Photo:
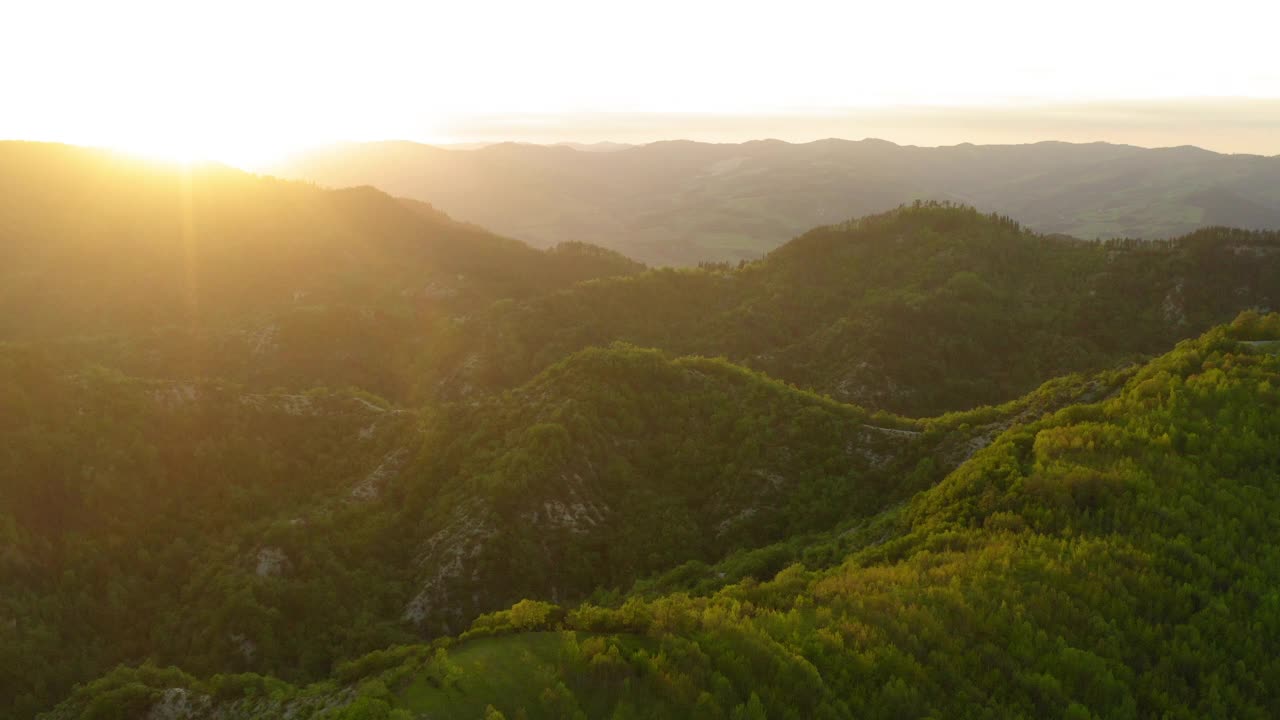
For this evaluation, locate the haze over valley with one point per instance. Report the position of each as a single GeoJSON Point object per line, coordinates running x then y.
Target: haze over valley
{"type": "Point", "coordinates": [680, 202]}
{"type": "Point", "coordinates": [502, 361]}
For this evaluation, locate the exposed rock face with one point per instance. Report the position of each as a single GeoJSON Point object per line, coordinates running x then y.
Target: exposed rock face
{"type": "Point", "coordinates": [577, 511]}
{"type": "Point", "coordinates": [264, 339]}
{"type": "Point", "coordinates": [367, 405]}
{"type": "Point", "coordinates": [248, 648]}
{"type": "Point", "coordinates": [445, 558]}
{"type": "Point", "coordinates": [1255, 251]}
{"type": "Point", "coordinates": [288, 404]}
{"type": "Point", "coordinates": [728, 524]}
{"type": "Point", "coordinates": [869, 386]}
{"type": "Point", "coordinates": [272, 561]}
{"type": "Point", "coordinates": [173, 395]}
{"type": "Point", "coordinates": [1174, 305]}
{"type": "Point", "coordinates": [449, 589]}
{"type": "Point", "coordinates": [183, 704]}
{"type": "Point", "coordinates": [371, 486]}
{"type": "Point", "coordinates": [180, 704]}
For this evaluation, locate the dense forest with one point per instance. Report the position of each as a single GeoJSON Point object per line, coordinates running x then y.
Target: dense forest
{"type": "Point", "coordinates": [1101, 561]}
{"type": "Point", "coordinates": [270, 450]}
{"type": "Point", "coordinates": [923, 310]}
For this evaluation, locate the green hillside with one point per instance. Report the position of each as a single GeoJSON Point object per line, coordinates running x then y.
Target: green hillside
{"type": "Point", "coordinates": [168, 340]}
{"type": "Point", "coordinates": [269, 450]}
{"type": "Point", "coordinates": [918, 311]}
{"type": "Point", "coordinates": [137, 516]}
{"type": "Point", "coordinates": [1108, 560]}
{"type": "Point", "coordinates": [620, 463]}
{"type": "Point", "coordinates": [233, 531]}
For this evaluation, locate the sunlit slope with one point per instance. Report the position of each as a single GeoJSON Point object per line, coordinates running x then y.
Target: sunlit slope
{"type": "Point", "coordinates": [98, 241]}
{"type": "Point", "coordinates": [619, 463]}
{"type": "Point", "coordinates": [918, 311]}
{"type": "Point", "coordinates": [176, 488]}
{"type": "Point", "coordinates": [172, 271]}
{"type": "Point", "coordinates": [1114, 560]}
{"type": "Point", "coordinates": [236, 531]}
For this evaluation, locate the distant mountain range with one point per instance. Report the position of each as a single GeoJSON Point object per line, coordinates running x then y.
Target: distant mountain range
{"type": "Point", "coordinates": [682, 202]}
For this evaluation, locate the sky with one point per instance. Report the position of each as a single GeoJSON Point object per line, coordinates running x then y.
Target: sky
{"type": "Point", "coordinates": [244, 82]}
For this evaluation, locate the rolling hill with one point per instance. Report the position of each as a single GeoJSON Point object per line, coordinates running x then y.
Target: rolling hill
{"type": "Point", "coordinates": [680, 202]}
{"type": "Point", "coordinates": [1110, 559]}
{"type": "Point", "coordinates": [166, 334]}
{"type": "Point", "coordinates": [209, 271]}
{"type": "Point", "coordinates": [917, 311]}
{"type": "Point", "coordinates": [223, 530]}
{"type": "Point", "coordinates": [271, 450]}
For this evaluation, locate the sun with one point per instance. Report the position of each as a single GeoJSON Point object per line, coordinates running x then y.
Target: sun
{"type": "Point", "coordinates": [196, 125]}
{"type": "Point", "coordinates": [188, 151]}
{"type": "Point", "coordinates": [187, 144]}
{"type": "Point", "coordinates": [167, 150]}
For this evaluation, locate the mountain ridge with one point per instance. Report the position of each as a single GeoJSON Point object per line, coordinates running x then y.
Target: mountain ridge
{"type": "Point", "coordinates": [681, 202]}
{"type": "Point", "coordinates": [393, 465]}
{"type": "Point", "coordinates": [827, 310]}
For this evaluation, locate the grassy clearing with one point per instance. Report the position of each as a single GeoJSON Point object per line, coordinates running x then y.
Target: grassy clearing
{"type": "Point", "coordinates": [518, 674]}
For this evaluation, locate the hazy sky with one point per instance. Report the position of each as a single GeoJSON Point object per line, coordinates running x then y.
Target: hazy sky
{"type": "Point", "coordinates": [242, 80]}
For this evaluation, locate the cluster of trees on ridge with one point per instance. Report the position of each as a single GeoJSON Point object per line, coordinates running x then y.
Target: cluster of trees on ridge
{"type": "Point", "coordinates": [926, 309]}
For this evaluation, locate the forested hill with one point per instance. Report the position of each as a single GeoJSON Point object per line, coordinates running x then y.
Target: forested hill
{"type": "Point", "coordinates": [222, 530]}
{"type": "Point", "coordinates": [683, 202]}
{"type": "Point", "coordinates": [101, 242]}
{"type": "Point", "coordinates": [172, 271]}
{"type": "Point", "coordinates": [920, 310]}
{"type": "Point", "coordinates": [305, 446]}
{"type": "Point", "coordinates": [1114, 559]}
